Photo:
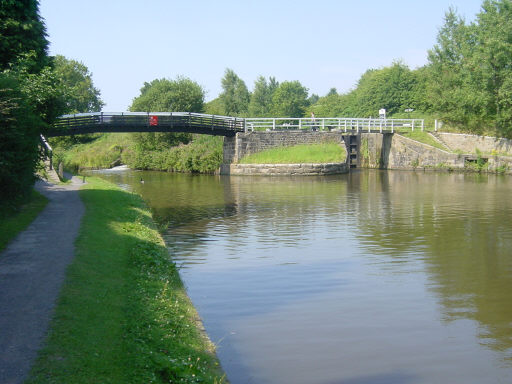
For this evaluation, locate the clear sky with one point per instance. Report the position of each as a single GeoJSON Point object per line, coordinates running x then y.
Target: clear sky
{"type": "Point", "coordinates": [321, 43]}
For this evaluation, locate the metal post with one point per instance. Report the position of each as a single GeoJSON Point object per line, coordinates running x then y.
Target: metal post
{"type": "Point", "coordinates": [323, 124]}
{"type": "Point", "coordinates": [345, 121]}
{"type": "Point", "coordinates": [300, 123]}
{"type": "Point", "coordinates": [369, 124]}
{"type": "Point", "coordinates": [435, 125]}
{"type": "Point", "coordinates": [381, 126]}
{"type": "Point", "coordinates": [357, 125]}
{"type": "Point", "coordinates": [273, 124]}
{"type": "Point", "coordinates": [422, 125]}
{"type": "Point", "coordinates": [412, 125]}
{"type": "Point", "coordinates": [392, 127]}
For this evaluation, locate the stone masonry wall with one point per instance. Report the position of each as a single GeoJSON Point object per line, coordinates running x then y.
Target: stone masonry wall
{"type": "Point", "coordinates": [252, 142]}
{"type": "Point", "coordinates": [468, 143]}
{"type": "Point", "coordinates": [288, 169]}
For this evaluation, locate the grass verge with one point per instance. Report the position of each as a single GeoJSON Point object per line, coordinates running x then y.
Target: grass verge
{"type": "Point", "coordinates": [123, 315]}
{"type": "Point", "coordinates": [297, 154]}
{"type": "Point", "coordinates": [425, 138]}
{"type": "Point", "coordinates": [13, 222]}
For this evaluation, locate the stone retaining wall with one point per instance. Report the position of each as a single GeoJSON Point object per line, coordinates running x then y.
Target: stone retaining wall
{"type": "Point", "coordinates": [244, 144]}
{"type": "Point", "coordinates": [285, 169]}
{"type": "Point", "coordinates": [469, 143]}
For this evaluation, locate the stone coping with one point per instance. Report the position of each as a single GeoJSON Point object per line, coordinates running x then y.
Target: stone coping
{"type": "Point", "coordinates": [305, 169]}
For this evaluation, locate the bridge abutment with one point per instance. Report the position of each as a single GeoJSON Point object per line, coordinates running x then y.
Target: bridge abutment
{"type": "Point", "coordinates": [247, 143]}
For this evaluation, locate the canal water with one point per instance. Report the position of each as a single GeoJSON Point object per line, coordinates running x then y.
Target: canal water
{"type": "Point", "coordinates": [365, 278]}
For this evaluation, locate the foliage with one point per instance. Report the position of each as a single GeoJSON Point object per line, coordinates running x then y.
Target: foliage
{"type": "Point", "coordinates": [471, 77]}
{"type": "Point", "coordinates": [261, 98]}
{"type": "Point", "coordinates": [290, 99]}
{"type": "Point", "coordinates": [22, 31]}
{"type": "Point", "coordinates": [235, 96]}
{"type": "Point", "coordinates": [202, 155]}
{"type": "Point", "coordinates": [123, 315]}
{"type": "Point", "coordinates": [215, 107]}
{"type": "Point", "coordinates": [76, 81]}
{"type": "Point", "coordinates": [19, 138]}
{"type": "Point", "coordinates": [100, 151]}
{"type": "Point", "coordinates": [304, 153]}
{"type": "Point", "coordinates": [163, 95]}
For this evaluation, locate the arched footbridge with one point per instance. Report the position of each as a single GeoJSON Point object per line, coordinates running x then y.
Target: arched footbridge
{"type": "Point", "coordinates": [98, 122]}
{"type": "Point", "coordinates": [102, 122]}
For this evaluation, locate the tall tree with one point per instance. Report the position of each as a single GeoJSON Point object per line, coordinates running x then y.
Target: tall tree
{"type": "Point", "coordinates": [261, 98]}
{"type": "Point", "coordinates": [22, 31]}
{"type": "Point", "coordinates": [76, 81]}
{"type": "Point", "coordinates": [235, 96]}
{"type": "Point", "coordinates": [492, 59]}
{"type": "Point", "coordinates": [471, 76]}
{"type": "Point", "coordinates": [290, 99]}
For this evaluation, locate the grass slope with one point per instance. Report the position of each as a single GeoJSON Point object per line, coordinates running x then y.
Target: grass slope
{"type": "Point", "coordinates": [123, 315]}
{"type": "Point", "coordinates": [425, 138]}
{"type": "Point", "coordinates": [307, 153]}
{"type": "Point", "coordinates": [13, 222]}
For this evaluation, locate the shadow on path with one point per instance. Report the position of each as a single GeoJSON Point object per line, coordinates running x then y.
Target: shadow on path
{"type": "Point", "coordinates": [32, 270]}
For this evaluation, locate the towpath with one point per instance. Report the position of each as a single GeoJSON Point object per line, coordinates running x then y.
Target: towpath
{"type": "Point", "coordinates": [32, 270]}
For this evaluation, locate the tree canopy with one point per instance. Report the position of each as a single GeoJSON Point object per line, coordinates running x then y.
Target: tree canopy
{"type": "Point", "coordinates": [22, 31]}
{"type": "Point", "coordinates": [235, 96]}
{"type": "Point", "coordinates": [164, 95]}
{"type": "Point", "coordinates": [80, 94]}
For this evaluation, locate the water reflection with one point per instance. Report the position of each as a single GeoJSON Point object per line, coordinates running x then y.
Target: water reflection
{"type": "Point", "coordinates": [370, 277]}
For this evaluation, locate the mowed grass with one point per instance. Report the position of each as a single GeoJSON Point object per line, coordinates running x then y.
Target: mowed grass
{"type": "Point", "coordinates": [13, 222]}
{"type": "Point", "coordinates": [123, 315]}
{"type": "Point", "coordinates": [425, 138]}
{"type": "Point", "coordinates": [299, 154]}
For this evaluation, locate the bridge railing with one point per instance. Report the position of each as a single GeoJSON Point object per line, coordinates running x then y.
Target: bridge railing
{"type": "Point", "coordinates": [76, 123]}
{"type": "Point", "coordinates": [341, 123]}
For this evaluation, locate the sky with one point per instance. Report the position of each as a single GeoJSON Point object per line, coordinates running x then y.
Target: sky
{"type": "Point", "coordinates": [322, 43]}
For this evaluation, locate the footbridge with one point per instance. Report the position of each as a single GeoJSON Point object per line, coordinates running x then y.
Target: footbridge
{"type": "Point", "coordinates": [102, 122]}
{"type": "Point", "coordinates": [286, 130]}
{"type": "Point", "coordinates": [98, 122]}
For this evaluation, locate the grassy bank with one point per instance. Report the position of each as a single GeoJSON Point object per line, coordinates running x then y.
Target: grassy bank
{"type": "Point", "coordinates": [13, 221]}
{"type": "Point", "coordinates": [425, 138]}
{"type": "Point", "coordinates": [310, 153]}
{"type": "Point", "coordinates": [203, 154]}
{"type": "Point", "coordinates": [123, 315]}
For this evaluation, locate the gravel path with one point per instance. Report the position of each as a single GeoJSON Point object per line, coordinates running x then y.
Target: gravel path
{"type": "Point", "coordinates": [32, 270]}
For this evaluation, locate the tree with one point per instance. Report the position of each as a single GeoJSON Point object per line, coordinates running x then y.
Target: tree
{"type": "Point", "coordinates": [390, 88]}
{"type": "Point", "coordinates": [492, 60]}
{"type": "Point", "coordinates": [290, 100]}
{"type": "Point", "coordinates": [261, 99]}
{"type": "Point", "coordinates": [22, 31]}
{"type": "Point", "coordinates": [163, 95]}
{"type": "Point", "coordinates": [19, 138]}
{"type": "Point", "coordinates": [235, 96]}
{"type": "Point", "coordinates": [471, 76]}
{"type": "Point", "coordinates": [78, 88]}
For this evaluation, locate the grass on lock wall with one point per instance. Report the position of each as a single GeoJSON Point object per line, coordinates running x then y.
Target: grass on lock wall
{"type": "Point", "coordinates": [304, 153]}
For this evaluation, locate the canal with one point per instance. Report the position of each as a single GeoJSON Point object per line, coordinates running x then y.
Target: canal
{"type": "Point", "coordinates": [370, 277]}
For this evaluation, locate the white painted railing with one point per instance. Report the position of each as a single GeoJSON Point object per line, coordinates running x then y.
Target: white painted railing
{"type": "Point", "coordinates": [333, 123]}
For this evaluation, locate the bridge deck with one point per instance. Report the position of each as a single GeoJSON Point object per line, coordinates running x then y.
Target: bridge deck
{"type": "Point", "coordinates": [146, 122]}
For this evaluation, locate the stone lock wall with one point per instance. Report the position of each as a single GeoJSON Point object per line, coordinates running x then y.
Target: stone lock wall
{"type": "Point", "coordinates": [243, 144]}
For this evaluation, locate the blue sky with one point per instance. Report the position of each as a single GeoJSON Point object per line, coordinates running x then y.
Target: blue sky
{"type": "Point", "coordinates": [322, 43]}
